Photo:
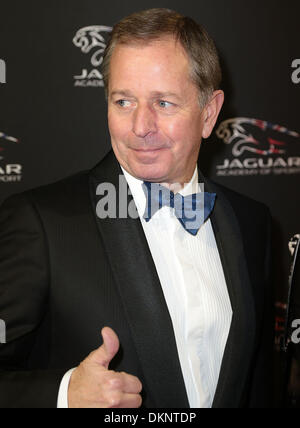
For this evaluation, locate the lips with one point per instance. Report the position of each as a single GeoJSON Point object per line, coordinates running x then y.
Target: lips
{"type": "Point", "coordinates": [148, 156]}
{"type": "Point", "coordinates": [148, 150]}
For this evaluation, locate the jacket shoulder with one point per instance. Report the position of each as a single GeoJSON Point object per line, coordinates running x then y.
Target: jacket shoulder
{"type": "Point", "coordinates": [70, 194]}
{"type": "Point", "coordinates": [243, 206]}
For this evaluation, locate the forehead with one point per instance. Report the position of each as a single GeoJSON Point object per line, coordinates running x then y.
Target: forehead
{"type": "Point", "coordinates": [158, 62]}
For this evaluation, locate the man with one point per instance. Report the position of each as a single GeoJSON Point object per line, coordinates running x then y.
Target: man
{"type": "Point", "coordinates": [186, 313]}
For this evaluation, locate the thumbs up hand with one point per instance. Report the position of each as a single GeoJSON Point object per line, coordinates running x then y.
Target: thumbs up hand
{"type": "Point", "coordinates": [93, 385]}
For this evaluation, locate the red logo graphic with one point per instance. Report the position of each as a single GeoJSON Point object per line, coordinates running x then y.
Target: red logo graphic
{"type": "Point", "coordinates": [237, 131]}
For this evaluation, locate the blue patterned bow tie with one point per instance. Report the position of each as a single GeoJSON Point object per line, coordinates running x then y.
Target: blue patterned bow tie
{"type": "Point", "coordinates": [191, 210]}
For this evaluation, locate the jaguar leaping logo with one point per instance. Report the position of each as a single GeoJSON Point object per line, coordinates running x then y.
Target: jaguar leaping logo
{"type": "Point", "coordinates": [234, 131]}
{"type": "Point", "coordinates": [89, 38]}
{"type": "Point", "coordinates": [6, 138]}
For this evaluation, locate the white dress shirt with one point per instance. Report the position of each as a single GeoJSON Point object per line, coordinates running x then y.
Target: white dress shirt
{"type": "Point", "coordinates": [194, 286]}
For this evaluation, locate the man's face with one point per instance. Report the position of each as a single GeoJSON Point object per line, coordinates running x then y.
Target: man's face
{"type": "Point", "coordinates": [155, 120]}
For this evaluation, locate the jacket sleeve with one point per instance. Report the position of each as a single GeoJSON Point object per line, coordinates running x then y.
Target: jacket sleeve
{"type": "Point", "coordinates": [24, 282]}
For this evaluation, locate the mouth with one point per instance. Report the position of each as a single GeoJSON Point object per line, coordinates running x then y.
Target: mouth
{"type": "Point", "coordinates": [149, 150]}
{"type": "Point", "coordinates": [148, 156]}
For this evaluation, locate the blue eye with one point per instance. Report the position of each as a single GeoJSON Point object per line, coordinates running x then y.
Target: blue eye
{"type": "Point", "coordinates": [123, 103]}
{"type": "Point", "coordinates": [164, 104]}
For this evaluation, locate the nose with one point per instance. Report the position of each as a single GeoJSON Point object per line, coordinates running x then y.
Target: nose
{"type": "Point", "coordinates": [144, 121]}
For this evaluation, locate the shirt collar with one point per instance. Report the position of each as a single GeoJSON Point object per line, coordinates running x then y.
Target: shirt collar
{"type": "Point", "coordinates": [138, 194]}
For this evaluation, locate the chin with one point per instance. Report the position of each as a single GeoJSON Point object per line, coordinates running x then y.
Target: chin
{"type": "Point", "coordinates": [149, 173]}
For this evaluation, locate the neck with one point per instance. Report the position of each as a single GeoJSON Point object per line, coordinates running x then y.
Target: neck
{"type": "Point", "coordinates": [176, 187]}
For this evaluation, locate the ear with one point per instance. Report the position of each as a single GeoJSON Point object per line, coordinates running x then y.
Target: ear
{"type": "Point", "coordinates": [211, 112]}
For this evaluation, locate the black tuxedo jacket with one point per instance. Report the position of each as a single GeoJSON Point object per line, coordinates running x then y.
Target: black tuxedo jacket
{"type": "Point", "coordinates": [65, 274]}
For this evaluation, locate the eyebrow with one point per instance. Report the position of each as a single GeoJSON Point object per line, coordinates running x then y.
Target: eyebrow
{"type": "Point", "coordinates": [159, 94]}
{"type": "Point", "coordinates": [121, 92]}
{"type": "Point", "coordinates": [164, 94]}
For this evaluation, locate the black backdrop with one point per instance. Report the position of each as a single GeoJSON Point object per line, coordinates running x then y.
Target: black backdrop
{"type": "Point", "coordinates": [53, 111]}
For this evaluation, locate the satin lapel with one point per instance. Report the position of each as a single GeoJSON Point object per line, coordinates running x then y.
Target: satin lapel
{"type": "Point", "coordinates": [240, 343]}
{"type": "Point", "coordinates": [140, 291]}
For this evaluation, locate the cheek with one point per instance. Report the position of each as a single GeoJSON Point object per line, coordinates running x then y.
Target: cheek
{"type": "Point", "coordinates": [184, 136]}
{"type": "Point", "coordinates": [118, 127]}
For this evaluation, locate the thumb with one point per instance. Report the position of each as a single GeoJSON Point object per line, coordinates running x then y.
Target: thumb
{"type": "Point", "coordinates": [108, 350]}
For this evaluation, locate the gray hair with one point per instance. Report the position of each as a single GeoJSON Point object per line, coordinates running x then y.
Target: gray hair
{"type": "Point", "coordinates": [154, 24]}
